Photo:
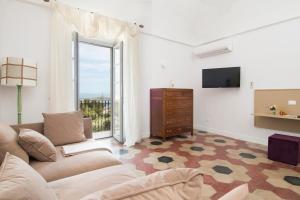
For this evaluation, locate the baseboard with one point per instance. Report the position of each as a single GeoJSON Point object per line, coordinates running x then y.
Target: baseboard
{"type": "Point", "coordinates": [263, 141]}
{"type": "Point", "coordinates": [235, 135]}
{"type": "Point", "coordinates": [145, 134]}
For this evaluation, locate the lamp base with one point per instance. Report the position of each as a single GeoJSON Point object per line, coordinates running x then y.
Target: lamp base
{"type": "Point", "coordinates": [19, 103]}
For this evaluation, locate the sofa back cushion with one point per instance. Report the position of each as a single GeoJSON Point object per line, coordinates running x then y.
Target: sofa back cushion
{"type": "Point", "coordinates": [37, 145]}
{"type": "Point", "coordinates": [9, 143]}
{"type": "Point", "coordinates": [64, 128]}
{"type": "Point", "coordinates": [39, 127]}
{"type": "Point", "coordinates": [19, 181]}
{"type": "Point", "coordinates": [170, 184]}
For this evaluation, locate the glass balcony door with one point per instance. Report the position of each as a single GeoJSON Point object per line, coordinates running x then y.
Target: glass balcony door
{"type": "Point", "coordinates": [94, 86]}
{"type": "Point", "coordinates": [99, 86]}
{"type": "Point", "coordinates": [117, 92]}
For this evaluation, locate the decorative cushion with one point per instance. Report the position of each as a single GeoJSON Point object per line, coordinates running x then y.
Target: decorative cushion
{"type": "Point", "coordinates": [64, 128]}
{"type": "Point", "coordinates": [19, 181]}
{"type": "Point", "coordinates": [170, 184]}
{"type": "Point", "coordinates": [37, 145]}
{"type": "Point", "coordinates": [9, 143]}
{"type": "Point", "coordinates": [239, 193]}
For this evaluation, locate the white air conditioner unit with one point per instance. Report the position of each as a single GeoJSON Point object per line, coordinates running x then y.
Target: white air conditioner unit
{"type": "Point", "coordinates": [214, 49]}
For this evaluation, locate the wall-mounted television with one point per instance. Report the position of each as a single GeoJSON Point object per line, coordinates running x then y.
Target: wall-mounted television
{"type": "Point", "coordinates": [221, 77]}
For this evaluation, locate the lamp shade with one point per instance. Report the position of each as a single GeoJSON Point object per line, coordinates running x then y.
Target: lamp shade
{"type": "Point", "coordinates": [18, 71]}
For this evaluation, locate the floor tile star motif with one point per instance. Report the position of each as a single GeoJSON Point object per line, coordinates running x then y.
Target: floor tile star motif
{"type": "Point", "coordinates": [223, 171]}
{"type": "Point", "coordinates": [156, 144]}
{"type": "Point", "coordinates": [165, 160]}
{"type": "Point", "coordinates": [197, 149]}
{"type": "Point", "coordinates": [184, 138]}
{"type": "Point", "coordinates": [128, 153]}
{"type": "Point", "coordinates": [260, 194]}
{"type": "Point", "coordinates": [248, 156]}
{"type": "Point", "coordinates": [284, 178]}
{"type": "Point", "coordinates": [257, 146]}
{"type": "Point", "coordinates": [207, 192]}
{"type": "Point", "coordinates": [220, 141]}
{"type": "Point", "coordinates": [133, 167]}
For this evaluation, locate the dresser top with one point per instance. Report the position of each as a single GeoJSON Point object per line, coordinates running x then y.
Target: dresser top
{"type": "Point", "coordinates": [170, 89]}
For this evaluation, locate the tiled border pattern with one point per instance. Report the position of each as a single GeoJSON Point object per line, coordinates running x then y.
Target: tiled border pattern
{"type": "Point", "coordinates": [225, 163]}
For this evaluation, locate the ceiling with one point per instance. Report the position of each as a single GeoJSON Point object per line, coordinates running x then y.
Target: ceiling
{"type": "Point", "coordinates": [194, 21]}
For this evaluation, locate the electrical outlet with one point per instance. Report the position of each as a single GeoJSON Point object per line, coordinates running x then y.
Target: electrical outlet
{"type": "Point", "coordinates": [292, 102]}
{"type": "Point", "coordinates": [251, 85]}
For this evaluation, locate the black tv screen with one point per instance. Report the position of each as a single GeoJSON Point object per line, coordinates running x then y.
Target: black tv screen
{"type": "Point", "coordinates": [221, 77]}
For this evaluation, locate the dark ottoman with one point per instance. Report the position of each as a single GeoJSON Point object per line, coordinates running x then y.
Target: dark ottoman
{"type": "Point", "coordinates": [284, 149]}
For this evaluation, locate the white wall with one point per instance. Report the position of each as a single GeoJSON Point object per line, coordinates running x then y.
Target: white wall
{"type": "Point", "coordinates": [1, 33]}
{"type": "Point", "coordinates": [162, 64]}
{"type": "Point", "coordinates": [26, 34]}
{"type": "Point", "coordinates": [34, 43]}
{"type": "Point", "coordinates": [217, 19]}
{"type": "Point", "coordinates": [269, 58]}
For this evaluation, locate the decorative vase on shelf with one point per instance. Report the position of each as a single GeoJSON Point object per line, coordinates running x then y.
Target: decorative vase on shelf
{"type": "Point", "coordinates": [273, 109]}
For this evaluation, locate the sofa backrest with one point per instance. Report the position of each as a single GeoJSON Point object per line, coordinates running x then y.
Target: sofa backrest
{"type": "Point", "coordinates": [39, 127]}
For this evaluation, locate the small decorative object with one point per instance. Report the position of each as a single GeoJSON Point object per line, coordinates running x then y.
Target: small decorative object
{"type": "Point", "coordinates": [18, 72]}
{"type": "Point", "coordinates": [273, 109]}
{"type": "Point", "coordinates": [282, 113]}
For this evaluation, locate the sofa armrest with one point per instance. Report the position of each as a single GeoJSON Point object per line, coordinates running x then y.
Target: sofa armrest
{"type": "Point", "coordinates": [39, 127]}
{"type": "Point", "coordinates": [88, 130]}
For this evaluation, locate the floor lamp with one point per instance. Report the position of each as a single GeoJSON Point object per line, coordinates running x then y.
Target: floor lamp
{"type": "Point", "coordinates": [18, 72]}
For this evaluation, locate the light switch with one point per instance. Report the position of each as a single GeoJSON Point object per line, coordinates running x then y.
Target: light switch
{"type": "Point", "coordinates": [292, 102]}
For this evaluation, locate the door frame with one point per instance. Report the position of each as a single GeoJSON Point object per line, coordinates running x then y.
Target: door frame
{"type": "Point", "coordinates": [120, 46]}
{"type": "Point", "coordinates": [78, 39]}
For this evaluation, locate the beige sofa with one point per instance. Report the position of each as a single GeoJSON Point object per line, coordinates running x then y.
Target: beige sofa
{"type": "Point", "coordinates": [76, 176]}
{"type": "Point", "coordinates": [72, 165]}
{"type": "Point", "coordinates": [87, 175]}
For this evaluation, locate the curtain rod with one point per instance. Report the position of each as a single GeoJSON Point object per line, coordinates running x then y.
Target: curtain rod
{"type": "Point", "coordinates": [44, 3]}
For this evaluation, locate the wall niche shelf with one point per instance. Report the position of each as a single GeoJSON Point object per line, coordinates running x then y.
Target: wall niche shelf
{"type": "Point", "coordinates": [289, 117]}
{"type": "Point", "coordinates": [263, 99]}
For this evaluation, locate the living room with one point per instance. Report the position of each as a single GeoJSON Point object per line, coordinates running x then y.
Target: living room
{"type": "Point", "coordinates": [172, 45]}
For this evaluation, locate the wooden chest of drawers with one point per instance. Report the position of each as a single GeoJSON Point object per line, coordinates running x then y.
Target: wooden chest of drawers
{"type": "Point", "coordinates": [171, 112]}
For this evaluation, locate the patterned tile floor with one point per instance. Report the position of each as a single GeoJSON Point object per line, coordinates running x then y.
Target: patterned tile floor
{"type": "Point", "coordinates": [225, 163]}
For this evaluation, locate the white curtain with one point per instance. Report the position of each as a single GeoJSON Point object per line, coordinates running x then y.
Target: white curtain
{"type": "Point", "coordinates": [61, 77]}
{"type": "Point", "coordinates": [66, 20]}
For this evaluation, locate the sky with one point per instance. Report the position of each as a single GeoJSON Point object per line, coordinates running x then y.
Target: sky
{"type": "Point", "coordinates": [94, 71]}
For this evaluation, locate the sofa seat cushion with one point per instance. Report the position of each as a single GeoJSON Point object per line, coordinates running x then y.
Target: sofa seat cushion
{"type": "Point", "coordinates": [76, 187]}
{"type": "Point", "coordinates": [73, 165]}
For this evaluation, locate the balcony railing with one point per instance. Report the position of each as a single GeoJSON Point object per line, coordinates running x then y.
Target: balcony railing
{"type": "Point", "coordinates": [100, 112]}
